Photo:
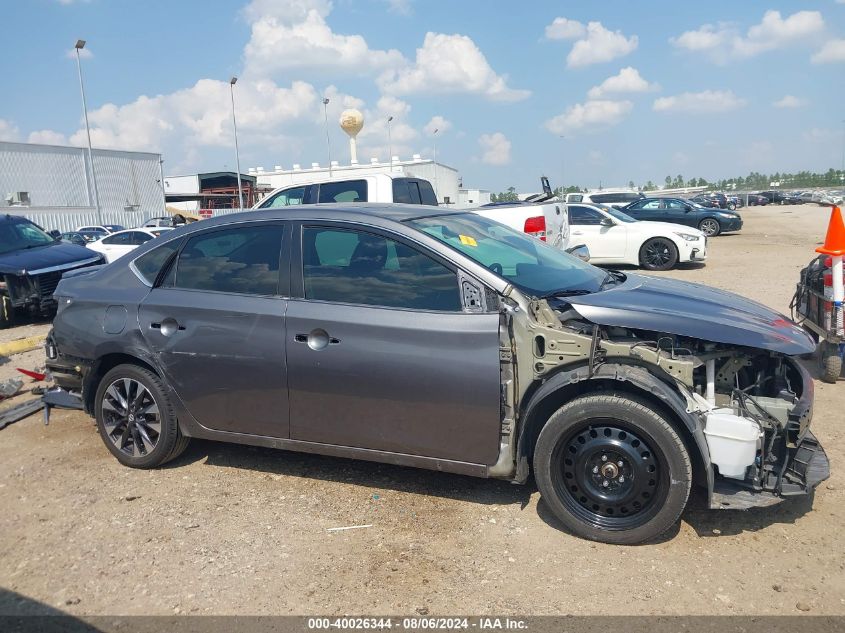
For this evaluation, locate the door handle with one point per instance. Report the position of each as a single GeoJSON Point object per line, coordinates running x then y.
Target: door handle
{"type": "Point", "coordinates": [317, 339]}
{"type": "Point", "coordinates": [577, 233]}
{"type": "Point", "coordinates": [167, 327]}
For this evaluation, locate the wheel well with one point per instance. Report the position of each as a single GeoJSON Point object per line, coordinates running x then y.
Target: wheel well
{"type": "Point", "coordinates": [543, 410]}
{"type": "Point", "coordinates": [101, 368]}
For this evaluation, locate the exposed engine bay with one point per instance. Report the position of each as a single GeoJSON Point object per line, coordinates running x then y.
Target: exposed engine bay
{"type": "Point", "coordinates": [748, 403]}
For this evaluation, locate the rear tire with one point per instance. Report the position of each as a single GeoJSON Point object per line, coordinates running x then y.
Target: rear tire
{"type": "Point", "coordinates": [612, 469]}
{"type": "Point", "coordinates": [830, 362]}
{"type": "Point", "coordinates": [136, 419]}
{"type": "Point", "coordinates": [658, 253]}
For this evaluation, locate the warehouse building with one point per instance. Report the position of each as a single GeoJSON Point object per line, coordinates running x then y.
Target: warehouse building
{"type": "Point", "coordinates": [56, 187]}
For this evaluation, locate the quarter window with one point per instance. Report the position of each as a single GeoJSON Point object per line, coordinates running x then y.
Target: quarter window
{"type": "Point", "coordinates": [348, 266]}
{"type": "Point", "coordinates": [242, 260]}
{"type": "Point", "coordinates": [149, 264]}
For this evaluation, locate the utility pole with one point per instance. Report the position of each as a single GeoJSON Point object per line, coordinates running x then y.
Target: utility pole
{"type": "Point", "coordinates": [390, 142]}
{"type": "Point", "coordinates": [328, 142]}
{"type": "Point", "coordinates": [232, 83]}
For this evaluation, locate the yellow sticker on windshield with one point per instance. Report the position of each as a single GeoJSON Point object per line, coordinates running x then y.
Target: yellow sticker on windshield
{"type": "Point", "coordinates": [466, 240]}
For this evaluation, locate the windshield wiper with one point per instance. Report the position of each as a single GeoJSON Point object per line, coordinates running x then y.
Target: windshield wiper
{"type": "Point", "coordinates": [566, 292]}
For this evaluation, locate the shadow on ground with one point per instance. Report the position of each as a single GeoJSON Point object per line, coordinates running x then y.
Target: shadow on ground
{"type": "Point", "coordinates": [369, 474]}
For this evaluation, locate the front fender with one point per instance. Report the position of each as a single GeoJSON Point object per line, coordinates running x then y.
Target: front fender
{"type": "Point", "coordinates": [632, 378]}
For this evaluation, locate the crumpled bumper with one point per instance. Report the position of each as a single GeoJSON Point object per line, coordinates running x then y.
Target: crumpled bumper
{"type": "Point", "coordinates": [807, 466]}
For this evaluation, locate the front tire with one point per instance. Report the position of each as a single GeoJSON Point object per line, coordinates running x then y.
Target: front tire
{"type": "Point", "coordinates": [710, 227]}
{"type": "Point", "coordinates": [612, 469]}
{"type": "Point", "coordinates": [136, 419]}
{"type": "Point", "coordinates": [658, 253]}
{"type": "Point", "coordinates": [7, 312]}
{"type": "Point", "coordinates": [732, 207]}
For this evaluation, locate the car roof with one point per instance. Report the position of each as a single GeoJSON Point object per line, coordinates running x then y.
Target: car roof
{"type": "Point", "coordinates": [336, 211]}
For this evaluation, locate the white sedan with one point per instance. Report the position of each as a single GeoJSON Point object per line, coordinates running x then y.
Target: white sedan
{"type": "Point", "coordinates": [116, 245]}
{"type": "Point", "coordinates": [614, 237]}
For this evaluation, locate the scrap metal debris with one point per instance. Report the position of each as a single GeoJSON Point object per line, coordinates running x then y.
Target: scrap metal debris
{"type": "Point", "coordinates": [348, 527]}
{"type": "Point", "coordinates": [35, 375]}
{"type": "Point", "coordinates": [19, 412]}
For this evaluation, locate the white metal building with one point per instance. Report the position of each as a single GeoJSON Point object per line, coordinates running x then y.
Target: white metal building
{"type": "Point", "coordinates": [468, 198]}
{"type": "Point", "coordinates": [443, 178]}
{"type": "Point", "coordinates": [52, 178]}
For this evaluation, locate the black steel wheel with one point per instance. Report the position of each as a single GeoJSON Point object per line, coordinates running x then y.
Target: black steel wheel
{"type": "Point", "coordinates": [710, 227]}
{"type": "Point", "coordinates": [658, 253]}
{"type": "Point", "coordinates": [135, 418]}
{"type": "Point", "coordinates": [612, 469]}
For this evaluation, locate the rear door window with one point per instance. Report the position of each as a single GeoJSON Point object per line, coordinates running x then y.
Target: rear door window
{"type": "Point", "coordinates": [345, 191]}
{"type": "Point", "coordinates": [235, 260]}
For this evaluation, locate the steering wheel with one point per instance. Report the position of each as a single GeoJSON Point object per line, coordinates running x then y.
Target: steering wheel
{"type": "Point", "coordinates": [496, 267]}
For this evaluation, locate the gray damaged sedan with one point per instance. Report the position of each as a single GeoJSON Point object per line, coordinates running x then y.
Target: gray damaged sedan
{"type": "Point", "coordinates": [442, 340]}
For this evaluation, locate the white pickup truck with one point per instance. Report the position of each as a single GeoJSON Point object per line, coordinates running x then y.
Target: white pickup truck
{"type": "Point", "coordinates": [536, 216]}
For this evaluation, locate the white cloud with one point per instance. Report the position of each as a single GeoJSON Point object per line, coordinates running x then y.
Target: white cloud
{"type": "Point", "coordinates": [588, 117]}
{"type": "Point", "coordinates": [819, 135]}
{"type": "Point", "coordinates": [600, 45]}
{"type": "Point", "coordinates": [400, 7]}
{"type": "Point", "coordinates": [832, 51]}
{"type": "Point", "coordinates": [563, 29]}
{"type": "Point", "coordinates": [437, 123]}
{"type": "Point", "coordinates": [199, 115]}
{"type": "Point", "coordinates": [47, 137]}
{"type": "Point", "coordinates": [373, 141]}
{"type": "Point", "coordinates": [628, 80]}
{"type": "Point", "coordinates": [8, 131]}
{"type": "Point", "coordinates": [790, 101]}
{"type": "Point", "coordinates": [708, 101]}
{"type": "Point", "coordinates": [723, 42]}
{"type": "Point", "coordinates": [496, 149]}
{"type": "Point", "coordinates": [449, 64]}
{"type": "Point", "coordinates": [293, 34]}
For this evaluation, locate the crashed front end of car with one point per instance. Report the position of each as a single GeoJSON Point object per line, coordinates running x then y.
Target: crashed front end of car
{"type": "Point", "coordinates": [726, 367]}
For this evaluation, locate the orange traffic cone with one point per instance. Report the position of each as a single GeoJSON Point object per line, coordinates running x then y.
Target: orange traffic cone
{"type": "Point", "coordinates": [834, 241]}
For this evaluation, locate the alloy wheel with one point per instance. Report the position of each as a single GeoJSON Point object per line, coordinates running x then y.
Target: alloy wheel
{"type": "Point", "coordinates": [658, 253]}
{"type": "Point", "coordinates": [610, 476]}
{"type": "Point", "coordinates": [709, 227]}
{"type": "Point", "coordinates": [131, 417]}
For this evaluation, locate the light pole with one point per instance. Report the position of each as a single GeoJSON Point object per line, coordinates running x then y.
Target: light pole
{"type": "Point", "coordinates": [562, 170]}
{"type": "Point", "coordinates": [328, 142]}
{"type": "Point", "coordinates": [436, 188]}
{"type": "Point", "coordinates": [92, 185]}
{"type": "Point", "coordinates": [232, 83]}
{"type": "Point", "coordinates": [390, 142]}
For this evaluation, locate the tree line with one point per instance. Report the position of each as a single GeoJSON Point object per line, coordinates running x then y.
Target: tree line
{"type": "Point", "coordinates": [754, 180]}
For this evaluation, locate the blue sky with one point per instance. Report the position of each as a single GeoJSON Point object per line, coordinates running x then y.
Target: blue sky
{"type": "Point", "coordinates": [636, 90]}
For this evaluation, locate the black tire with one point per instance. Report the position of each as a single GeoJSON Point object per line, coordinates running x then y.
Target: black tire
{"type": "Point", "coordinates": [830, 362]}
{"type": "Point", "coordinates": [7, 313]}
{"type": "Point", "coordinates": [710, 227]}
{"type": "Point", "coordinates": [129, 432]}
{"type": "Point", "coordinates": [640, 444]}
{"type": "Point", "coordinates": [658, 253]}
{"type": "Point", "coordinates": [732, 207]}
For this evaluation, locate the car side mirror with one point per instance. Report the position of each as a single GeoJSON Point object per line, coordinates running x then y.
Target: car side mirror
{"type": "Point", "coordinates": [580, 251]}
{"type": "Point", "coordinates": [54, 233]}
{"type": "Point", "coordinates": [688, 208]}
{"type": "Point", "coordinates": [607, 222]}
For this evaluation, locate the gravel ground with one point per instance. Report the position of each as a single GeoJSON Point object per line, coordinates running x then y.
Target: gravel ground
{"type": "Point", "coordinates": [236, 530]}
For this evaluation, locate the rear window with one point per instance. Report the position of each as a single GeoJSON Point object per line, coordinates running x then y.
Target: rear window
{"type": "Point", "coordinates": [605, 198]}
{"type": "Point", "coordinates": [413, 191]}
{"type": "Point", "coordinates": [345, 191]}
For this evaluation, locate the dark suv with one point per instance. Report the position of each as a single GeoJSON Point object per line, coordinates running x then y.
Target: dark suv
{"type": "Point", "coordinates": [31, 265]}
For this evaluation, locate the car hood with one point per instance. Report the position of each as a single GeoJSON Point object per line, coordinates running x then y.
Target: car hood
{"type": "Point", "coordinates": [694, 310]}
{"type": "Point", "coordinates": [57, 254]}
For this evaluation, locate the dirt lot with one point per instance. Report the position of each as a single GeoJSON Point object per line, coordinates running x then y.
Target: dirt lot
{"type": "Point", "coordinates": [235, 530]}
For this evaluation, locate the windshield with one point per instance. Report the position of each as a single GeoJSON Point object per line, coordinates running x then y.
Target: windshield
{"type": "Point", "coordinates": [619, 215]}
{"type": "Point", "coordinates": [18, 234]}
{"type": "Point", "coordinates": [529, 264]}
